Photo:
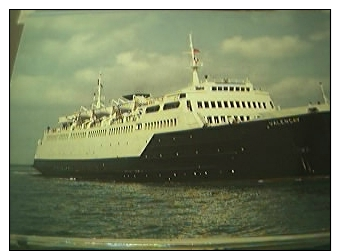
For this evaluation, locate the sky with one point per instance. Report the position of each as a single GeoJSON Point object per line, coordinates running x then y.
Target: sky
{"type": "Point", "coordinates": [61, 53]}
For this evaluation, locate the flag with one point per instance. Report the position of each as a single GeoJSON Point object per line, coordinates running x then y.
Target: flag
{"type": "Point", "coordinates": [196, 50]}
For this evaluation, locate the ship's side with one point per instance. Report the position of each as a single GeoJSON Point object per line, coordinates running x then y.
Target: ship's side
{"type": "Point", "coordinates": [207, 131]}
{"type": "Point", "coordinates": [196, 133]}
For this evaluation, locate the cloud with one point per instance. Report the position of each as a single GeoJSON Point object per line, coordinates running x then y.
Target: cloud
{"type": "Point", "coordinates": [297, 90]}
{"type": "Point", "coordinates": [130, 71]}
{"type": "Point", "coordinates": [147, 72]}
{"type": "Point", "coordinates": [320, 35]}
{"type": "Point", "coordinates": [29, 90]}
{"type": "Point", "coordinates": [129, 60]}
{"type": "Point", "coordinates": [265, 47]}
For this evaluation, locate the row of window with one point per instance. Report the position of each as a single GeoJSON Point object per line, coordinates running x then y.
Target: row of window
{"type": "Point", "coordinates": [157, 124]}
{"type": "Point", "coordinates": [233, 104]}
{"type": "Point", "coordinates": [226, 119]}
{"type": "Point", "coordinates": [167, 106]}
{"type": "Point", "coordinates": [57, 136]}
{"type": "Point", "coordinates": [230, 88]}
{"type": "Point", "coordinates": [96, 133]}
{"type": "Point", "coordinates": [115, 130]}
{"type": "Point", "coordinates": [78, 135]}
{"type": "Point", "coordinates": [121, 129]}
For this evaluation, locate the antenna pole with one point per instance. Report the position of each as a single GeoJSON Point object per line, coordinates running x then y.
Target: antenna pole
{"type": "Point", "coordinates": [323, 93]}
{"type": "Point", "coordinates": [194, 62]}
{"type": "Point", "coordinates": [99, 91]}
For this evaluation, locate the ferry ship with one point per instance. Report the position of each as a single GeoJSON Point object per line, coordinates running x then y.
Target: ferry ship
{"type": "Point", "coordinates": [209, 130]}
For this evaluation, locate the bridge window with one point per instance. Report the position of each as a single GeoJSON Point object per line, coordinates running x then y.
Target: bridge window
{"type": "Point", "coordinates": [152, 109]}
{"type": "Point", "coordinates": [171, 105]}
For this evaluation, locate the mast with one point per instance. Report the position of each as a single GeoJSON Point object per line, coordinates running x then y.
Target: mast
{"type": "Point", "coordinates": [194, 63]}
{"type": "Point", "coordinates": [98, 103]}
{"type": "Point", "coordinates": [323, 93]}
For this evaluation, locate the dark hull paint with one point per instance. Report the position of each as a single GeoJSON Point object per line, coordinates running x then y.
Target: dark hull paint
{"type": "Point", "coordinates": [276, 148]}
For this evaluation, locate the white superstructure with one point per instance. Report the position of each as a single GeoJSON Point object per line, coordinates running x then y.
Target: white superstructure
{"type": "Point", "coordinates": [125, 126]}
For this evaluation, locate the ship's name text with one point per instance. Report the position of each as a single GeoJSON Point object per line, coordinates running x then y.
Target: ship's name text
{"type": "Point", "coordinates": [285, 121]}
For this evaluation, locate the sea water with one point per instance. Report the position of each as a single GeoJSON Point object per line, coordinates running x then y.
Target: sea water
{"type": "Point", "coordinates": [43, 206]}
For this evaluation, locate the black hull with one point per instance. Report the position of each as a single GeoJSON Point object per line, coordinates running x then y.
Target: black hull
{"type": "Point", "coordinates": [276, 148]}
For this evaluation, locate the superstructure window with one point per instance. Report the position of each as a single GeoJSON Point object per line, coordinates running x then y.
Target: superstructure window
{"type": "Point", "coordinates": [220, 88]}
{"type": "Point", "coordinates": [171, 105]}
{"type": "Point", "coordinates": [219, 104]}
{"type": "Point", "coordinates": [152, 109]}
{"type": "Point", "coordinates": [237, 88]}
{"type": "Point", "coordinates": [206, 104]}
{"type": "Point", "coordinates": [237, 104]}
{"type": "Point", "coordinates": [199, 104]}
{"type": "Point", "coordinates": [213, 105]}
{"type": "Point", "coordinates": [225, 104]}
{"type": "Point", "coordinates": [182, 95]}
{"type": "Point", "coordinates": [232, 104]}
{"type": "Point", "coordinates": [231, 88]}
{"type": "Point", "coordinates": [214, 88]}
